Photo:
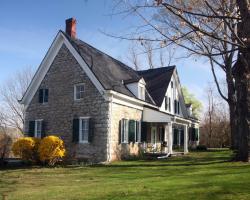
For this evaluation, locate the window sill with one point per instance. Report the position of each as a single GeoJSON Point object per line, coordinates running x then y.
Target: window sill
{"type": "Point", "coordinates": [45, 103]}
{"type": "Point", "coordinates": [83, 142]}
{"type": "Point", "coordinates": [76, 100]}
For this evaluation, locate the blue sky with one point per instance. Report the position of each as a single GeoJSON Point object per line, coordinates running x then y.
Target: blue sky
{"type": "Point", "coordinates": [27, 29]}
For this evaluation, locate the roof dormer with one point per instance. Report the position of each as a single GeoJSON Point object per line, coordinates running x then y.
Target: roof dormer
{"type": "Point", "coordinates": [138, 88]}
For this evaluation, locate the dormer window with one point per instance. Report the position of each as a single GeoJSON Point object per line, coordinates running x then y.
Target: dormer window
{"type": "Point", "coordinates": [137, 88]}
{"type": "Point", "coordinates": [142, 92]}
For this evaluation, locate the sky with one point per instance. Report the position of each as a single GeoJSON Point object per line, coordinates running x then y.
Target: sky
{"type": "Point", "coordinates": [27, 29]}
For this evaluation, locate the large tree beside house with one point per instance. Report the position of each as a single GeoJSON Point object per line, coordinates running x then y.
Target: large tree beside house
{"type": "Point", "coordinates": [101, 108]}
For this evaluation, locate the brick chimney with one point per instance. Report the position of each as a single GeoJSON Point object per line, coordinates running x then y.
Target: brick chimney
{"type": "Point", "coordinates": [71, 27]}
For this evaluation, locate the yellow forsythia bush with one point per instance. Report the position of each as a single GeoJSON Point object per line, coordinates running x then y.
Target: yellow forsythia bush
{"type": "Point", "coordinates": [26, 148]}
{"type": "Point", "coordinates": [51, 150]}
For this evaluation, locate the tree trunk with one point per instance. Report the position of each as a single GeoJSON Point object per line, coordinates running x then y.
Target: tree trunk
{"type": "Point", "coordinates": [233, 125]}
{"type": "Point", "coordinates": [232, 109]}
{"type": "Point", "coordinates": [242, 81]}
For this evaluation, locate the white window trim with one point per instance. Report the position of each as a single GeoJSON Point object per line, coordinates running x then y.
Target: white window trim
{"type": "Point", "coordinates": [35, 133]}
{"type": "Point", "coordinates": [141, 92]}
{"type": "Point", "coordinates": [79, 84]}
{"type": "Point", "coordinates": [127, 135]}
{"type": "Point", "coordinates": [80, 128]}
{"type": "Point", "coordinates": [125, 141]}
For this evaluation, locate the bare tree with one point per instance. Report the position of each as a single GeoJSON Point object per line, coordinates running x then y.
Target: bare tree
{"type": "Point", "coordinates": [5, 140]}
{"type": "Point", "coordinates": [153, 56]}
{"type": "Point", "coordinates": [14, 88]}
{"type": "Point", "coordinates": [133, 57]}
{"type": "Point", "coordinates": [215, 131]}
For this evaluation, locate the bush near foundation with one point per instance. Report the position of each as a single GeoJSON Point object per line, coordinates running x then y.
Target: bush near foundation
{"type": "Point", "coordinates": [51, 150]}
{"type": "Point", "coordinates": [26, 148]}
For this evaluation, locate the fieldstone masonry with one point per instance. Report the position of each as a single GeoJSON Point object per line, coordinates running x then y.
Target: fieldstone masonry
{"type": "Point", "coordinates": [119, 150]}
{"type": "Point", "coordinates": [61, 109]}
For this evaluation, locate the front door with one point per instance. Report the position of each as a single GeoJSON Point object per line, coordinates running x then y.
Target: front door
{"type": "Point", "coordinates": [153, 135]}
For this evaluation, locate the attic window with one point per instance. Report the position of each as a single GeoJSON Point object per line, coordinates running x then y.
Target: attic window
{"type": "Point", "coordinates": [141, 93]}
{"type": "Point", "coordinates": [79, 91]}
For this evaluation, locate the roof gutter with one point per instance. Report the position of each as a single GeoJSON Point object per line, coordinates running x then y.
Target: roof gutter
{"type": "Point", "coordinates": [132, 99]}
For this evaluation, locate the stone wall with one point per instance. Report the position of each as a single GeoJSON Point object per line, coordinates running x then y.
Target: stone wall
{"type": "Point", "coordinates": [118, 150]}
{"type": "Point", "coordinates": [61, 108]}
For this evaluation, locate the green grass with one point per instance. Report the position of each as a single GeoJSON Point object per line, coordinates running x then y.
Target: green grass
{"type": "Point", "coordinates": [198, 175]}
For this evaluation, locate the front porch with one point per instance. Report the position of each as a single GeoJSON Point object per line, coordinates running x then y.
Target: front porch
{"type": "Point", "coordinates": [164, 138]}
{"type": "Point", "coordinates": [161, 133]}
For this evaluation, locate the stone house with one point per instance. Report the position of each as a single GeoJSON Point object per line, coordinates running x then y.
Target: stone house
{"type": "Point", "coordinates": [102, 109]}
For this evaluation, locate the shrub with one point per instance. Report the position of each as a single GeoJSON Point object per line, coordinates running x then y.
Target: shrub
{"type": "Point", "coordinates": [51, 150]}
{"type": "Point", "coordinates": [201, 148]}
{"type": "Point", "coordinates": [26, 148]}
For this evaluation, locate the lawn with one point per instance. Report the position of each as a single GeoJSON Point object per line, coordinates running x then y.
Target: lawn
{"type": "Point", "coordinates": [204, 175]}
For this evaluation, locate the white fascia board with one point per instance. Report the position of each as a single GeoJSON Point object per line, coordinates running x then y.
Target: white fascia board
{"type": "Point", "coordinates": [181, 119]}
{"type": "Point", "coordinates": [127, 99]}
{"type": "Point", "coordinates": [41, 71]}
{"type": "Point", "coordinates": [46, 63]}
{"type": "Point", "coordinates": [151, 115]}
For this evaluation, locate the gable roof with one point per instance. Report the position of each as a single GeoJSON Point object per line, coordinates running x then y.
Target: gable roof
{"type": "Point", "coordinates": [112, 74]}
{"type": "Point", "coordinates": [106, 72]}
{"type": "Point", "coordinates": [157, 81]}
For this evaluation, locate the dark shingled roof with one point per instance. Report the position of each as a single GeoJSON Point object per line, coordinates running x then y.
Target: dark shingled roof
{"type": "Point", "coordinates": [114, 75]}
{"type": "Point", "coordinates": [157, 81]}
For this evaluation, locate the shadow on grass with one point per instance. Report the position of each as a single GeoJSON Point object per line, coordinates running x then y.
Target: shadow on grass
{"type": "Point", "coordinates": [210, 157]}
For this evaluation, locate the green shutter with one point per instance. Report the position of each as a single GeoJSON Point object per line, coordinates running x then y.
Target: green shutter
{"type": "Point", "coordinates": [193, 134]}
{"type": "Point", "coordinates": [46, 95]}
{"type": "Point", "coordinates": [75, 134]}
{"type": "Point", "coordinates": [40, 96]}
{"type": "Point", "coordinates": [137, 131]}
{"type": "Point", "coordinates": [31, 132]}
{"type": "Point", "coordinates": [196, 134]}
{"type": "Point", "coordinates": [91, 130]}
{"type": "Point", "coordinates": [131, 131]}
{"type": "Point", "coordinates": [144, 132]}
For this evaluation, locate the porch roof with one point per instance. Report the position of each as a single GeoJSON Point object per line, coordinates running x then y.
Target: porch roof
{"type": "Point", "coordinates": [151, 115]}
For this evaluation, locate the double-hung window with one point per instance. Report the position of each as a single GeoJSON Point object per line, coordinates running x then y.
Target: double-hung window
{"type": "Point", "coordinates": [166, 103]}
{"type": "Point", "coordinates": [38, 128]}
{"type": "Point", "coordinates": [130, 131]}
{"type": "Point", "coordinates": [79, 91]}
{"type": "Point", "coordinates": [83, 130]}
{"type": "Point", "coordinates": [43, 95]}
{"type": "Point", "coordinates": [169, 104]}
{"type": "Point", "coordinates": [141, 92]}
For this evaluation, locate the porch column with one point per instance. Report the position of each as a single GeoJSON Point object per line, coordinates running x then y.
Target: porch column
{"type": "Point", "coordinates": [185, 139]}
{"type": "Point", "coordinates": [170, 138]}
{"type": "Point", "coordinates": [166, 136]}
